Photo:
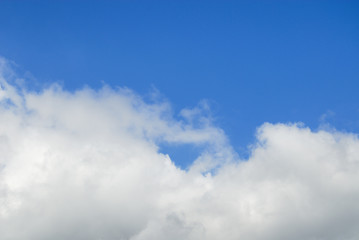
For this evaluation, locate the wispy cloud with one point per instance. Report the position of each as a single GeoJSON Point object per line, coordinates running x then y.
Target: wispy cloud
{"type": "Point", "coordinates": [86, 165]}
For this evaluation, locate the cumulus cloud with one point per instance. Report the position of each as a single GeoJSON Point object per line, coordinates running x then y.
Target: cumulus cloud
{"type": "Point", "coordinates": [87, 165]}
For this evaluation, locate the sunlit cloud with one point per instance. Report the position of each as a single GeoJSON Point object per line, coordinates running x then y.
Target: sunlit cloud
{"type": "Point", "coordinates": [87, 165]}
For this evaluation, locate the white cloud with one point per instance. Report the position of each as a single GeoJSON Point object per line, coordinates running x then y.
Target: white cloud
{"type": "Point", "coordinates": [86, 165]}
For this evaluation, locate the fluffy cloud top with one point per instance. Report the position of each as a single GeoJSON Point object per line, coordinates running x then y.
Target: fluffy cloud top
{"type": "Point", "coordinates": [86, 165]}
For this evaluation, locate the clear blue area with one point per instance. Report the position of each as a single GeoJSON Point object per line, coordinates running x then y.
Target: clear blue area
{"type": "Point", "coordinates": [255, 61]}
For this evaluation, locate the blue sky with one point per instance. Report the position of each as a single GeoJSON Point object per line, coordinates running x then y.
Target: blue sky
{"type": "Point", "coordinates": [254, 61]}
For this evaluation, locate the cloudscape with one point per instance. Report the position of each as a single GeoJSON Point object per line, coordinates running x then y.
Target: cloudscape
{"type": "Point", "coordinates": [179, 120]}
{"type": "Point", "coordinates": [87, 164]}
